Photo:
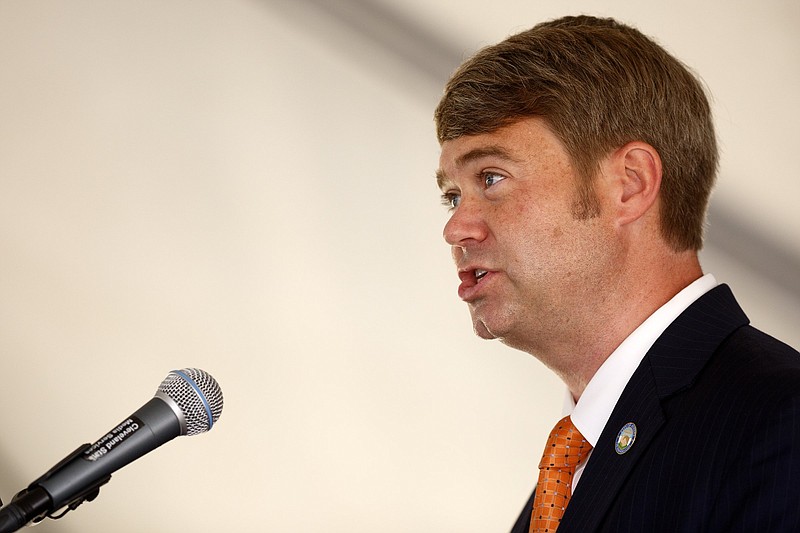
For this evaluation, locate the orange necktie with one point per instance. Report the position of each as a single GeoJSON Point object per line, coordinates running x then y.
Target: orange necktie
{"type": "Point", "coordinates": [565, 450]}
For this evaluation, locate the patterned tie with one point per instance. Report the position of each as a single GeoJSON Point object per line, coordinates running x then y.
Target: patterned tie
{"type": "Point", "coordinates": [566, 449]}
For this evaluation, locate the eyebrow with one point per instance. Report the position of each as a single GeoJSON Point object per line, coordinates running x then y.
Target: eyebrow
{"type": "Point", "coordinates": [492, 150]}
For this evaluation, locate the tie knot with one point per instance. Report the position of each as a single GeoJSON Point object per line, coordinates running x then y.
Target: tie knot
{"type": "Point", "coordinates": [566, 447]}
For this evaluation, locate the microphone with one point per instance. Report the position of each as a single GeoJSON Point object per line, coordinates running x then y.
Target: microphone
{"type": "Point", "coordinates": [187, 402]}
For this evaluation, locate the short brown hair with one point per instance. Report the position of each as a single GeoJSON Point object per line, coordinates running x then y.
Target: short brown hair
{"type": "Point", "coordinates": [599, 84]}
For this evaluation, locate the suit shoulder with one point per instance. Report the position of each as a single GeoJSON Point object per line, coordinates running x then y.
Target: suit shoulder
{"type": "Point", "coordinates": [749, 344]}
{"type": "Point", "coordinates": [756, 369]}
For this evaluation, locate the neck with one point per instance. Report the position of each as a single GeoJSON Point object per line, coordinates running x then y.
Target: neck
{"type": "Point", "coordinates": [635, 294]}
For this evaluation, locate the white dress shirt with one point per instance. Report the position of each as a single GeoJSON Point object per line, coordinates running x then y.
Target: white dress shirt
{"type": "Point", "coordinates": [594, 407]}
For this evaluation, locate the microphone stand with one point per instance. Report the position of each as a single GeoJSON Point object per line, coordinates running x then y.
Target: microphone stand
{"type": "Point", "coordinates": [34, 503]}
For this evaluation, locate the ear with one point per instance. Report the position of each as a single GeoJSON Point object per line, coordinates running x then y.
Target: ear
{"type": "Point", "coordinates": [635, 180]}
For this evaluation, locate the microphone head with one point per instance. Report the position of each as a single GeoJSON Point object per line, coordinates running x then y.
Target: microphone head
{"type": "Point", "coordinates": [197, 395]}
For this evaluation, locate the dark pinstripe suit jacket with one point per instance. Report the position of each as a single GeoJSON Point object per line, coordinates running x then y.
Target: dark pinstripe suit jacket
{"type": "Point", "coordinates": [717, 407]}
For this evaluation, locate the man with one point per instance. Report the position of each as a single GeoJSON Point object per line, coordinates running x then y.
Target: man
{"type": "Point", "coordinates": [577, 160]}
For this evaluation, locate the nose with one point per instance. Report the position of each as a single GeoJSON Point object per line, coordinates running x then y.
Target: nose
{"type": "Point", "coordinates": [467, 224]}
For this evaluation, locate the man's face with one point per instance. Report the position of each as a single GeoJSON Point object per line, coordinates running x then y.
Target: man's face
{"type": "Point", "coordinates": [525, 261]}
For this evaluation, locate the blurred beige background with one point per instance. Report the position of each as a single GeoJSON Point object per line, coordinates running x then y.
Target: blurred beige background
{"type": "Point", "coordinates": [247, 187]}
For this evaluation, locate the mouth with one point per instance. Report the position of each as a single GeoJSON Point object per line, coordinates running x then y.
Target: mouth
{"type": "Point", "coordinates": [470, 280]}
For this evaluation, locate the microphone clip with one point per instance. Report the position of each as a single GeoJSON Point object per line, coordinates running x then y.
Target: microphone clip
{"type": "Point", "coordinates": [87, 495]}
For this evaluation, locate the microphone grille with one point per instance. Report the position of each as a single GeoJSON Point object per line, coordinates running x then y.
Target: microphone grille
{"type": "Point", "coordinates": [197, 395]}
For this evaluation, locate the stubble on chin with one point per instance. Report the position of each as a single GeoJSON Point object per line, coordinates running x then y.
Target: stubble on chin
{"type": "Point", "coordinates": [481, 330]}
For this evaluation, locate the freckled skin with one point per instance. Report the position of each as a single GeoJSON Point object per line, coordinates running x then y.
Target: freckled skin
{"type": "Point", "coordinates": [548, 262]}
{"type": "Point", "coordinates": [565, 289]}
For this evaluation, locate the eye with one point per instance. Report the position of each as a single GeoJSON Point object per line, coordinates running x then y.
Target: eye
{"type": "Point", "coordinates": [491, 178]}
{"type": "Point", "coordinates": [451, 200]}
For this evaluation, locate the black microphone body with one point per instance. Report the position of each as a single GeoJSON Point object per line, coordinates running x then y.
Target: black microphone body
{"type": "Point", "coordinates": [79, 476]}
{"type": "Point", "coordinates": [148, 428]}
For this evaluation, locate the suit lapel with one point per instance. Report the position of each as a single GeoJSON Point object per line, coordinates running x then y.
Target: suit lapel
{"type": "Point", "coordinates": [670, 366]}
{"type": "Point", "coordinates": [607, 470]}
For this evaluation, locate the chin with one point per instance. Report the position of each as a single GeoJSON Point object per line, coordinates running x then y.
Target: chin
{"type": "Point", "coordinates": [482, 331]}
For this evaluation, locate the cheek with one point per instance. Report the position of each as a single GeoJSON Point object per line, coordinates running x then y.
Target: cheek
{"type": "Point", "coordinates": [589, 251]}
{"type": "Point", "coordinates": [555, 250]}
{"type": "Point", "coordinates": [539, 231]}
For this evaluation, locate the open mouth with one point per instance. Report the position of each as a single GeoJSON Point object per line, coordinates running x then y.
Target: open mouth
{"type": "Point", "coordinates": [470, 279]}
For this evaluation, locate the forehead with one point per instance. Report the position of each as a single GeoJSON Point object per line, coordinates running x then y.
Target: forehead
{"type": "Point", "coordinates": [521, 142]}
